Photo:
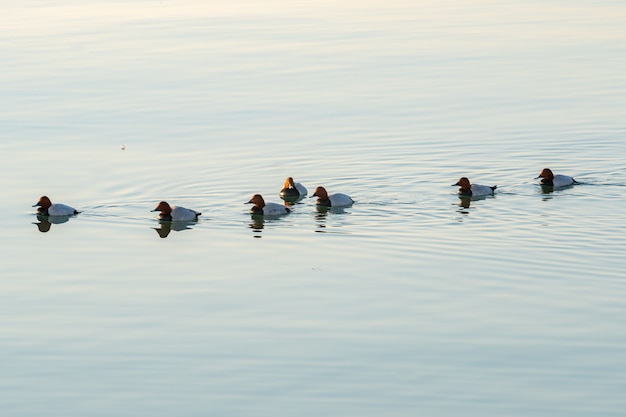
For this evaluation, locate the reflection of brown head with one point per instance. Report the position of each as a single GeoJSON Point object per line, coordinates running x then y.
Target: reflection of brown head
{"type": "Point", "coordinates": [43, 225]}
{"type": "Point", "coordinates": [465, 201]}
{"type": "Point", "coordinates": [321, 193]}
{"type": "Point", "coordinates": [44, 202]}
{"type": "Point", "coordinates": [164, 208]}
{"type": "Point", "coordinates": [257, 200]}
{"type": "Point", "coordinates": [164, 230]}
{"type": "Point", "coordinates": [464, 183]}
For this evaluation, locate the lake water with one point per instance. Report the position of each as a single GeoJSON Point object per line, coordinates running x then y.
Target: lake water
{"type": "Point", "coordinates": [407, 303]}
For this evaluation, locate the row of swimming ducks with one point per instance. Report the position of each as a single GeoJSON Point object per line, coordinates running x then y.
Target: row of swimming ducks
{"type": "Point", "coordinates": [293, 191]}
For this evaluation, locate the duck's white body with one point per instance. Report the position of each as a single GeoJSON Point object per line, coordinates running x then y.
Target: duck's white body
{"type": "Point", "coordinates": [182, 214]}
{"type": "Point", "coordinates": [340, 200]}
{"type": "Point", "coordinates": [274, 209]}
{"type": "Point", "coordinates": [481, 190]}
{"type": "Point", "coordinates": [563, 180]}
{"type": "Point", "coordinates": [59, 209]}
{"type": "Point", "coordinates": [301, 189]}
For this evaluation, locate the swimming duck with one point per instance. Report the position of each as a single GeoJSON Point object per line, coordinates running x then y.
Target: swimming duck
{"type": "Point", "coordinates": [292, 189]}
{"type": "Point", "coordinates": [473, 190]}
{"type": "Point", "coordinates": [332, 200]}
{"type": "Point", "coordinates": [262, 208]}
{"type": "Point", "coordinates": [550, 180]}
{"type": "Point", "coordinates": [46, 208]}
{"type": "Point", "coordinates": [176, 214]}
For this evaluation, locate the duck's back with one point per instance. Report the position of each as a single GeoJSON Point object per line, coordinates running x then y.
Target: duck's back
{"type": "Point", "coordinates": [184, 214]}
{"type": "Point", "coordinates": [562, 180]}
{"type": "Point", "coordinates": [272, 209]}
{"type": "Point", "coordinates": [479, 190]}
{"type": "Point", "coordinates": [339, 200]}
{"type": "Point", "coordinates": [59, 209]}
{"type": "Point", "coordinates": [301, 189]}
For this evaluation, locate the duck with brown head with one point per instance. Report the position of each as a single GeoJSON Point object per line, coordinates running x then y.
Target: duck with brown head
{"type": "Point", "coordinates": [292, 191]}
{"type": "Point", "coordinates": [468, 189]}
{"type": "Point", "coordinates": [261, 208]}
{"type": "Point", "coordinates": [331, 200]}
{"type": "Point", "coordinates": [175, 213]}
{"type": "Point", "coordinates": [549, 179]}
{"type": "Point", "coordinates": [46, 208]}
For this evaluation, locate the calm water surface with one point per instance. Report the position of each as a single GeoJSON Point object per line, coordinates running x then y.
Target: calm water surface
{"type": "Point", "coordinates": [408, 303]}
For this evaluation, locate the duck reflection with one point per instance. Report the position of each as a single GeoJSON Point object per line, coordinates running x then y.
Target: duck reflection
{"type": "Point", "coordinates": [167, 226]}
{"type": "Point", "coordinates": [547, 192]}
{"type": "Point", "coordinates": [290, 200]}
{"type": "Point", "coordinates": [45, 222]}
{"type": "Point", "coordinates": [320, 218]}
{"type": "Point", "coordinates": [257, 224]}
{"type": "Point", "coordinates": [464, 204]}
{"type": "Point", "coordinates": [322, 213]}
{"type": "Point", "coordinates": [334, 210]}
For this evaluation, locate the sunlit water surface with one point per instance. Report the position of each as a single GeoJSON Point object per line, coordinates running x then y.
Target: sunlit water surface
{"type": "Point", "coordinates": [408, 303]}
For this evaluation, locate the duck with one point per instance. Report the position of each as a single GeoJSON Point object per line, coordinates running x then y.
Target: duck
{"type": "Point", "coordinates": [176, 213]}
{"type": "Point", "coordinates": [292, 189]}
{"type": "Point", "coordinates": [473, 190]}
{"type": "Point", "coordinates": [548, 179]}
{"type": "Point", "coordinates": [261, 208]}
{"type": "Point", "coordinates": [332, 200]}
{"type": "Point", "coordinates": [46, 208]}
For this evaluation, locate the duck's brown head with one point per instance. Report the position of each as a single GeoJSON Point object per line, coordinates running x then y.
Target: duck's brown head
{"type": "Point", "coordinates": [464, 183]}
{"type": "Point", "coordinates": [163, 207]}
{"type": "Point", "coordinates": [44, 202]}
{"type": "Point", "coordinates": [257, 200]}
{"type": "Point", "coordinates": [321, 193]}
{"type": "Point", "coordinates": [546, 174]}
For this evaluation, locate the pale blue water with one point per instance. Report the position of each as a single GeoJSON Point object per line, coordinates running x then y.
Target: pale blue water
{"type": "Point", "coordinates": [406, 303]}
